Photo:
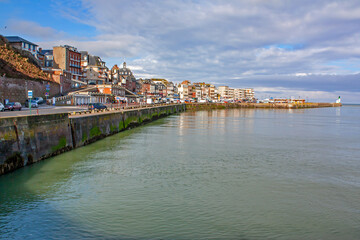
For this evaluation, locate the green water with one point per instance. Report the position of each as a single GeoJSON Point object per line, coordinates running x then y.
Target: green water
{"type": "Point", "coordinates": [224, 174]}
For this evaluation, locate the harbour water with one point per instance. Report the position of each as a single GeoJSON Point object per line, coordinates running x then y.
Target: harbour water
{"type": "Point", "coordinates": [222, 174]}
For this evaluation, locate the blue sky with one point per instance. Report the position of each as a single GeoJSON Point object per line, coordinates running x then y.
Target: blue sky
{"type": "Point", "coordinates": [280, 48]}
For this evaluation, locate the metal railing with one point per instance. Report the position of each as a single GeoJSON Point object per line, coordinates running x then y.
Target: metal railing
{"type": "Point", "coordinates": [120, 107]}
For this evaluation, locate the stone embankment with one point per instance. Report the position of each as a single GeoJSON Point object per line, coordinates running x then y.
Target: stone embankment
{"type": "Point", "coordinates": [26, 140]}
{"type": "Point", "coordinates": [15, 89]}
{"type": "Point", "coordinates": [209, 106]}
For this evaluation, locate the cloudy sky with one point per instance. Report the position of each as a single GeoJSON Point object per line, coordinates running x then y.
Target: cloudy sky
{"type": "Point", "coordinates": [281, 48]}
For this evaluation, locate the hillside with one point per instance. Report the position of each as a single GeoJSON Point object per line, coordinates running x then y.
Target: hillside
{"type": "Point", "coordinates": [15, 63]}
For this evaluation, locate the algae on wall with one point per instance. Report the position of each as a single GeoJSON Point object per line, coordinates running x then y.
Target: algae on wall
{"type": "Point", "coordinates": [87, 129]}
{"type": "Point", "coordinates": [114, 128]}
{"type": "Point", "coordinates": [131, 120]}
{"type": "Point", "coordinates": [95, 131]}
{"type": "Point", "coordinates": [121, 125]}
{"type": "Point", "coordinates": [62, 144]}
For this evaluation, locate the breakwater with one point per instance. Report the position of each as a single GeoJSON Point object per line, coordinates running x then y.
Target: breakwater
{"type": "Point", "coordinates": [208, 106]}
{"type": "Point", "coordinates": [28, 139]}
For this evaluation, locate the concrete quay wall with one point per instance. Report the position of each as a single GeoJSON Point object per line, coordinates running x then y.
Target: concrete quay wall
{"type": "Point", "coordinates": [29, 139]}
{"type": "Point", "coordinates": [89, 128]}
{"type": "Point", "coordinates": [25, 140]}
{"type": "Point", "coordinates": [209, 106]}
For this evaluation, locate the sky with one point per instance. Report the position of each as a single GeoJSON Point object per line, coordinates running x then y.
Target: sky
{"type": "Point", "coordinates": [281, 48]}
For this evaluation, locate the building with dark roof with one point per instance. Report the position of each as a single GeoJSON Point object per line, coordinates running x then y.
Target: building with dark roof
{"type": "Point", "coordinates": [124, 77]}
{"type": "Point", "coordinates": [48, 58]}
{"type": "Point", "coordinates": [22, 44]}
{"type": "Point", "coordinates": [94, 69]}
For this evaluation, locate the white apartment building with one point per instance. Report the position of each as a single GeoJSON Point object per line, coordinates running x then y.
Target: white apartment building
{"type": "Point", "coordinates": [236, 93]}
{"type": "Point", "coordinates": [239, 94]}
{"type": "Point", "coordinates": [231, 94]}
{"type": "Point", "coordinates": [249, 93]}
{"type": "Point", "coordinates": [183, 91]}
{"type": "Point", "coordinates": [223, 91]}
{"type": "Point", "coordinates": [198, 93]}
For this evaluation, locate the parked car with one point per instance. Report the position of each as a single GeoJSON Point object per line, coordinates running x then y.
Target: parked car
{"type": "Point", "coordinates": [33, 103]}
{"type": "Point", "coordinates": [13, 106]}
{"type": "Point", "coordinates": [2, 108]}
{"type": "Point", "coordinates": [39, 100]}
{"type": "Point", "coordinates": [92, 106]}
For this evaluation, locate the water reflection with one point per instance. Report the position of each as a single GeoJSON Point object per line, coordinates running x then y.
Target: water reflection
{"type": "Point", "coordinates": [223, 174]}
{"type": "Point", "coordinates": [43, 180]}
{"type": "Point", "coordinates": [214, 119]}
{"type": "Point", "coordinates": [338, 111]}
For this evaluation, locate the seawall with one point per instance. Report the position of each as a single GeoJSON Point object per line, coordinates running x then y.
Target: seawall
{"type": "Point", "coordinates": [29, 139]}
{"type": "Point", "coordinates": [208, 106]}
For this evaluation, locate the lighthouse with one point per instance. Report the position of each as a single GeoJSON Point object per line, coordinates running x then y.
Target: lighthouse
{"type": "Point", "coordinates": [338, 100]}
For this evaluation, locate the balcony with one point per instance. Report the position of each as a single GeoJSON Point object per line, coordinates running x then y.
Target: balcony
{"type": "Point", "coordinates": [74, 59]}
{"type": "Point", "coordinates": [74, 65]}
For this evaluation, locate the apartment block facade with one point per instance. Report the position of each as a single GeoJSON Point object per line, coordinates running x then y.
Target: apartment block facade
{"type": "Point", "coordinates": [236, 94]}
{"type": "Point", "coordinates": [69, 59]}
{"type": "Point", "coordinates": [94, 69]}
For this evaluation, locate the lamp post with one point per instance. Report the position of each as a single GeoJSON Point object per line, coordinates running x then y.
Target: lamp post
{"type": "Point", "coordinates": [30, 95]}
{"type": "Point", "coordinates": [145, 97]}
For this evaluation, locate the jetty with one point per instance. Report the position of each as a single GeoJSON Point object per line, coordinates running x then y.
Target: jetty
{"type": "Point", "coordinates": [209, 106]}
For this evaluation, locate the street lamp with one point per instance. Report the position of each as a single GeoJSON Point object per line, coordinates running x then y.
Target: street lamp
{"type": "Point", "coordinates": [146, 97]}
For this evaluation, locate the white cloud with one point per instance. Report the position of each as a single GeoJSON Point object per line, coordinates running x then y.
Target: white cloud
{"type": "Point", "coordinates": [301, 74]}
{"type": "Point", "coordinates": [105, 46]}
{"type": "Point", "coordinates": [33, 29]}
{"type": "Point", "coordinates": [228, 42]}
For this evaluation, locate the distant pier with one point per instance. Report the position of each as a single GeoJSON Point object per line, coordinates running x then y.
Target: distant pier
{"type": "Point", "coordinates": [208, 106]}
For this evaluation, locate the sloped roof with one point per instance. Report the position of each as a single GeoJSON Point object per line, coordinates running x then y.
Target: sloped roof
{"type": "Point", "coordinates": [162, 80]}
{"type": "Point", "coordinates": [115, 67]}
{"type": "Point", "coordinates": [15, 39]}
{"type": "Point", "coordinates": [47, 52]}
{"type": "Point", "coordinates": [94, 60]}
{"type": "Point", "coordinates": [186, 82]}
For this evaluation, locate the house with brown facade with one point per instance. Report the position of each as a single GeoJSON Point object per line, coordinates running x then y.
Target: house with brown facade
{"type": "Point", "coordinates": [68, 58]}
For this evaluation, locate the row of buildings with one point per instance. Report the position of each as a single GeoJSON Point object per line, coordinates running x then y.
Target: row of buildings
{"type": "Point", "coordinates": [85, 78]}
